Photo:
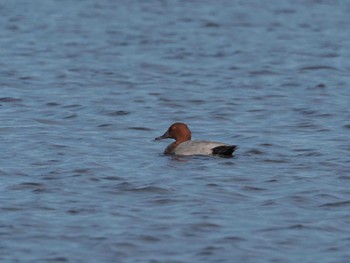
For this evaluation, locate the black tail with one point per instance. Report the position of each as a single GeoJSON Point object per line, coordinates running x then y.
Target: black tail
{"type": "Point", "coordinates": [224, 151]}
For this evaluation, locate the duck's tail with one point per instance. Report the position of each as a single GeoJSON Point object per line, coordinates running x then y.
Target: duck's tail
{"type": "Point", "coordinates": [224, 151]}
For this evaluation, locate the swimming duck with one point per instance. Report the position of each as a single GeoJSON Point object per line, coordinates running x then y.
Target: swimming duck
{"type": "Point", "coordinates": [184, 146]}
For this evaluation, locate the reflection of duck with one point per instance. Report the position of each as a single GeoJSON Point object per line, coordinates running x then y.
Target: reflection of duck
{"type": "Point", "coordinates": [184, 146]}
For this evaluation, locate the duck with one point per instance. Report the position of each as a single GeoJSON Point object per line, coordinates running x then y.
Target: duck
{"type": "Point", "coordinates": [183, 144]}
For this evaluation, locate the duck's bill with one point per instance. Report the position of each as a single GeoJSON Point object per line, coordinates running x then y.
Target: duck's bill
{"type": "Point", "coordinates": [164, 136]}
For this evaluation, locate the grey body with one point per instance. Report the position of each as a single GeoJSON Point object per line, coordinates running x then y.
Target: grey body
{"type": "Point", "coordinates": [197, 148]}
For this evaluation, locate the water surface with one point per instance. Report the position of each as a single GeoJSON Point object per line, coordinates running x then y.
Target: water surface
{"type": "Point", "coordinates": [86, 86]}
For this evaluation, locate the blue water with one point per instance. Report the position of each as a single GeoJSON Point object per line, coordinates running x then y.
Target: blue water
{"type": "Point", "coordinates": [85, 87]}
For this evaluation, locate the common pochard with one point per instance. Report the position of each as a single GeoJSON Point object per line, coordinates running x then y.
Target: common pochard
{"type": "Point", "coordinates": [184, 146]}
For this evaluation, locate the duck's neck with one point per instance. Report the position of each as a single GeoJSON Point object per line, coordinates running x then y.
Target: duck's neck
{"type": "Point", "coordinates": [171, 147]}
{"type": "Point", "coordinates": [183, 138]}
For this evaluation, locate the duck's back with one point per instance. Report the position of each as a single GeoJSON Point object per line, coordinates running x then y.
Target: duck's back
{"type": "Point", "coordinates": [204, 148]}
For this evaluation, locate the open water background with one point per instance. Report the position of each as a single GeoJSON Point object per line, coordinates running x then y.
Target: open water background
{"type": "Point", "coordinates": [85, 86]}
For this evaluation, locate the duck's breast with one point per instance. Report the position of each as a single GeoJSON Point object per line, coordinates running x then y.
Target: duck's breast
{"type": "Point", "coordinates": [197, 147]}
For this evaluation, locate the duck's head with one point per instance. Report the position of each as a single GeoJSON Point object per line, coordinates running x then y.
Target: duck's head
{"type": "Point", "coordinates": [178, 131]}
